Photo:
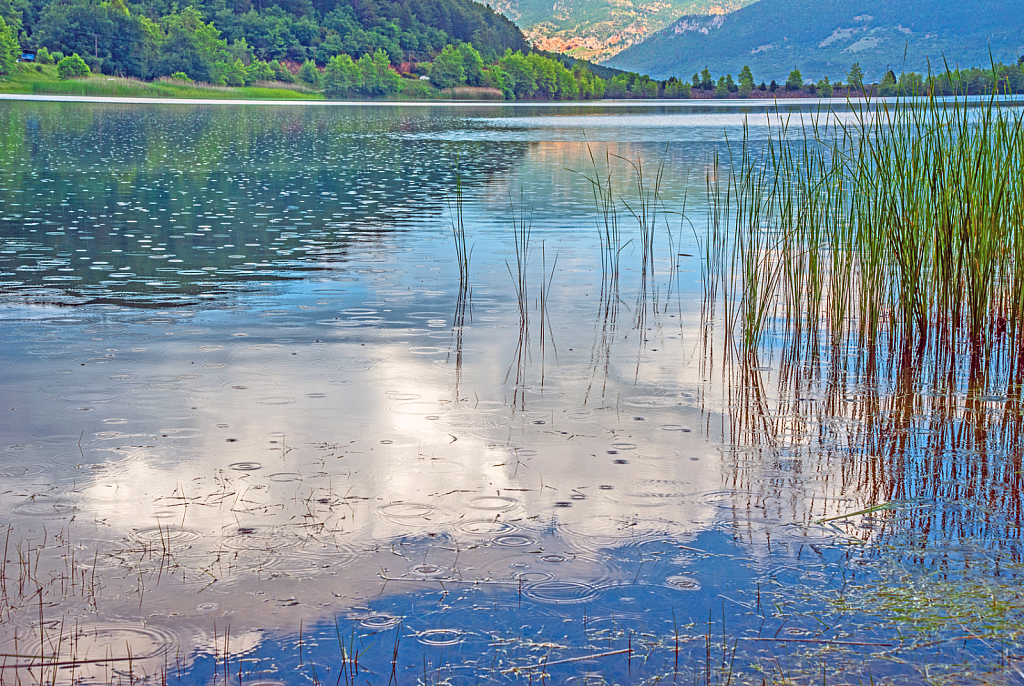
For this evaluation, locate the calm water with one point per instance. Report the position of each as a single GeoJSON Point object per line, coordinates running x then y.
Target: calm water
{"type": "Point", "coordinates": [250, 431]}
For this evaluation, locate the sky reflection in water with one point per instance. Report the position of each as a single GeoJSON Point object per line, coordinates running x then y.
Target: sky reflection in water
{"type": "Point", "coordinates": [245, 416]}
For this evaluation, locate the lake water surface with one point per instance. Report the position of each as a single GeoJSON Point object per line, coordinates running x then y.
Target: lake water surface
{"type": "Point", "coordinates": [253, 430]}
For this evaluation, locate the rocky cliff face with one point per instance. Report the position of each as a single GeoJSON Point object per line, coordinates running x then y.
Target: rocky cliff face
{"type": "Point", "coordinates": [597, 30]}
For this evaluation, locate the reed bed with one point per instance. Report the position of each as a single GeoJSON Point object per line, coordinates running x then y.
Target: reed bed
{"type": "Point", "coordinates": [286, 85]}
{"type": "Point", "coordinates": [898, 227]}
{"type": "Point", "coordinates": [473, 93]}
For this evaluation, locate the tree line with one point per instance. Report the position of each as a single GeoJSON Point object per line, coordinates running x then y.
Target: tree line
{"type": "Point", "coordinates": [514, 76]}
{"type": "Point", "coordinates": [999, 78]}
{"type": "Point", "coordinates": [348, 48]}
{"type": "Point", "coordinates": [148, 39]}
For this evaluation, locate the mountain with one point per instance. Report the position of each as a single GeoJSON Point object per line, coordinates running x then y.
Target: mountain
{"type": "Point", "coordinates": [825, 37]}
{"type": "Point", "coordinates": [598, 29]}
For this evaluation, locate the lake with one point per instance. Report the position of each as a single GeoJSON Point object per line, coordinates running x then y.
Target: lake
{"type": "Point", "coordinates": [254, 428]}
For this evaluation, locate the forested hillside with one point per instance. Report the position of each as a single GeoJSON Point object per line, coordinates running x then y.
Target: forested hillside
{"type": "Point", "coordinates": [155, 38]}
{"type": "Point", "coordinates": [824, 37]}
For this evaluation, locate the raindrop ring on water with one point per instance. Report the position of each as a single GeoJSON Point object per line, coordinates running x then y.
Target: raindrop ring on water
{"type": "Point", "coordinates": [683, 583]}
{"type": "Point", "coordinates": [429, 570]}
{"type": "Point", "coordinates": [492, 503]}
{"type": "Point", "coordinates": [379, 622]}
{"type": "Point", "coordinates": [515, 541]}
{"type": "Point", "coordinates": [441, 637]}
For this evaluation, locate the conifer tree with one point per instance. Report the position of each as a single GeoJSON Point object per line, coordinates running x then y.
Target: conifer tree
{"type": "Point", "coordinates": [746, 82]}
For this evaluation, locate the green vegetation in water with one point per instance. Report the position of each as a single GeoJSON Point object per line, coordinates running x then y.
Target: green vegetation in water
{"type": "Point", "coordinates": [874, 255]}
{"type": "Point", "coordinates": [898, 227]}
{"type": "Point", "coordinates": [924, 607]}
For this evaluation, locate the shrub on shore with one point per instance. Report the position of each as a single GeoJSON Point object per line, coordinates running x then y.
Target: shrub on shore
{"type": "Point", "coordinates": [72, 67]}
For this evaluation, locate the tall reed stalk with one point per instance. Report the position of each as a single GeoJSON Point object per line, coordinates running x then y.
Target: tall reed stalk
{"type": "Point", "coordinates": [897, 227]}
{"type": "Point", "coordinates": [462, 250]}
{"type": "Point", "coordinates": [607, 216]}
{"type": "Point", "coordinates": [521, 230]}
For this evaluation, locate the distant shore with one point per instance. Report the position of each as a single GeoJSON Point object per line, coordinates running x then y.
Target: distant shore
{"type": "Point", "coordinates": [762, 103]}
{"type": "Point", "coordinates": [31, 85]}
{"type": "Point", "coordinates": [28, 82]}
{"type": "Point", "coordinates": [779, 94]}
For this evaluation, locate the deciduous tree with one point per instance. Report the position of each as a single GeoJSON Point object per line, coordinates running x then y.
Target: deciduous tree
{"type": "Point", "coordinates": [722, 89]}
{"type": "Point", "coordinates": [376, 77]}
{"type": "Point", "coordinates": [309, 74]}
{"type": "Point", "coordinates": [676, 89]}
{"type": "Point", "coordinates": [825, 87]}
{"type": "Point", "coordinates": [341, 77]}
{"type": "Point", "coordinates": [644, 88]}
{"type": "Point", "coordinates": [448, 70]}
{"type": "Point", "coordinates": [9, 48]}
{"type": "Point", "coordinates": [795, 81]}
{"type": "Point", "coordinates": [72, 67]}
{"type": "Point", "coordinates": [520, 74]}
{"type": "Point", "coordinates": [473, 64]}
{"type": "Point", "coordinates": [617, 87]}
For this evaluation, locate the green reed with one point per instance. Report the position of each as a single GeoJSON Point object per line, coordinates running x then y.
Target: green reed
{"type": "Point", "coordinates": [900, 224]}
{"type": "Point", "coordinates": [644, 209]}
{"type": "Point", "coordinates": [462, 250]}
{"type": "Point", "coordinates": [522, 227]}
{"type": "Point", "coordinates": [607, 215]}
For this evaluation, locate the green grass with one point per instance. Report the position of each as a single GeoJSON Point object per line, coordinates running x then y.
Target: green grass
{"type": "Point", "coordinates": [25, 76]}
{"type": "Point", "coordinates": [28, 80]}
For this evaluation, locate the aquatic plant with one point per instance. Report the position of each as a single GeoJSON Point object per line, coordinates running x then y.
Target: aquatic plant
{"type": "Point", "coordinates": [898, 227]}
{"type": "Point", "coordinates": [644, 210]}
{"type": "Point", "coordinates": [462, 251]}
{"type": "Point", "coordinates": [521, 231]}
{"type": "Point", "coordinates": [607, 218]}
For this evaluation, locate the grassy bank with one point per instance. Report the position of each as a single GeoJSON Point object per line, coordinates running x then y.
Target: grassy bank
{"type": "Point", "coordinates": [42, 80]}
{"type": "Point", "coordinates": [32, 79]}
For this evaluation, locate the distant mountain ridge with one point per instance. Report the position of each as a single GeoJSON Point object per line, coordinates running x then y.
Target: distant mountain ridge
{"type": "Point", "coordinates": [598, 29]}
{"type": "Point", "coordinates": [825, 37]}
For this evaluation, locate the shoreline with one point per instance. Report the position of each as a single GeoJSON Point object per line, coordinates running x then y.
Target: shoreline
{"type": "Point", "coordinates": [755, 103]}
